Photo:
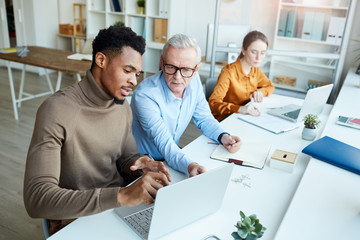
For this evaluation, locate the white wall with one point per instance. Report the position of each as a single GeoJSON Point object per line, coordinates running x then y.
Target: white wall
{"type": "Point", "coordinates": [196, 21]}
{"type": "Point", "coordinates": [259, 14]}
{"type": "Point", "coordinates": [45, 23]}
{"type": "Point", "coordinates": [66, 10]}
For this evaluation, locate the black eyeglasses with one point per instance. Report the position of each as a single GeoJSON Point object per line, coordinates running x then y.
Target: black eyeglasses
{"type": "Point", "coordinates": [184, 71]}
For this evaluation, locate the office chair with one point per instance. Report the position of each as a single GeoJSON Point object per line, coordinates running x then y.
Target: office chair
{"type": "Point", "coordinates": [46, 225]}
{"type": "Point", "coordinates": [210, 84]}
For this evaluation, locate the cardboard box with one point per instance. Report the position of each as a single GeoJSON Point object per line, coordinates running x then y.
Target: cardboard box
{"type": "Point", "coordinates": [160, 30]}
{"type": "Point", "coordinates": [315, 84]}
{"type": "Point", "coordinates": [68, 29]}
{"type": "Point", "coordinates": [285, 80]}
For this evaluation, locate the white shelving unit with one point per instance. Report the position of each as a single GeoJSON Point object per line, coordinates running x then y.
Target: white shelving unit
{"type": "Point", "coordinates": [100, 15]}
{"type": "Point", "coordinates": [306, 59]}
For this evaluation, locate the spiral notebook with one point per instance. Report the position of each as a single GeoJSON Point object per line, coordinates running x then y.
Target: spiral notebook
{"type": "Point", "coordinates": [252, 154]}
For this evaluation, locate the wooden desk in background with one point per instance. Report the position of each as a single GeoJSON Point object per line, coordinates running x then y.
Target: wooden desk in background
{"type": "Point", "coordinates": [46, 58]}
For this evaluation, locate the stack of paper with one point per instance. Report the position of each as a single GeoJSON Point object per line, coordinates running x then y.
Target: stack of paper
{"type": "Point", "coordinates": [80, 56]}
{"type": "Point", "coordinates": [270, 123]}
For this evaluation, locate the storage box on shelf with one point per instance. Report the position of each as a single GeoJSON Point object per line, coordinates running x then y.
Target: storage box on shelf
{"type": "Point", "coordinates": [315, 34]}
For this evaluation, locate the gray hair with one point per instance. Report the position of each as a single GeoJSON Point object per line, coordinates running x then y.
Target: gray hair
{"type": "Point", "coordinates": [182, 41]}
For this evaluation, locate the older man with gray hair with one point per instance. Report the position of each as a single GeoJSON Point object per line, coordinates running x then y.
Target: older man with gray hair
{"type": "Point", "coordinates": [164, 104]}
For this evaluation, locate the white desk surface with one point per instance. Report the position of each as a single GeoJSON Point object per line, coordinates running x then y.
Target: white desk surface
{"type": "Point", "coordinates": [265, 192]}
{"type": "Point", "coordinates": [326, 204]}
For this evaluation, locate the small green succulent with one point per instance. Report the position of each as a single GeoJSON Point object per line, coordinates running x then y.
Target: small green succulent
{"type": "Point", "coordinates": [311, 121]}
{"type": "Point", "coordinates": [248, 228]}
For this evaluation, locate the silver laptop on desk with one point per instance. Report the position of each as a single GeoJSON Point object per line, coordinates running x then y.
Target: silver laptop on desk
{"type": "Point", "coordinates": [314, 103]}
{"type": "Point", "coordinates": [179, 204]}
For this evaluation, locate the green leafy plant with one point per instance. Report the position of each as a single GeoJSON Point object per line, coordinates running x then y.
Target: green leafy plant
{"type": "Point", "coordinates": [119, 23]}
{"type": "Point", "coordinates": [140, 3]}
{"type": "Point", "coordinates": [248, 228]}
{"type": "Point", "coordinates": [311, 121]}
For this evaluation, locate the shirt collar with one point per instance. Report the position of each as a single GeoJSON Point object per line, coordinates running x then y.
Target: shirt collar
{"type": "Point", "coordinates": [170, 97]}
{"type": "Point", "coordinates": [252, 70]}
{"type": "Point", "coordinates": [94, 93]}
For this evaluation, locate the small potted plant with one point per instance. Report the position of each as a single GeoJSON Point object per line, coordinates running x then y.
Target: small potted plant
{"type": "Point", "coordinates": [248, 228]}
{"type": "Point", "coordinates": [119, 24]}
{"type": "Point", "coordinates": [310, 124]}
{"type": "Point", "coordinates": [141, 6]}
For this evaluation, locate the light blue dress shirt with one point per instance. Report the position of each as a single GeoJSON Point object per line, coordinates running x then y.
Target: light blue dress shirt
{"type": "Point", "coordinates": [160, 118]}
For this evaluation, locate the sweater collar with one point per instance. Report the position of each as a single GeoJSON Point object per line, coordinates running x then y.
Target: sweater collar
{"type": "Point", "coordinates": [94, 93]}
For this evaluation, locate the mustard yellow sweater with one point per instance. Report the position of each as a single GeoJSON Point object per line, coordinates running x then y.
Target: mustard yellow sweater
{"type": "Point", "coordinates": [234, 87]}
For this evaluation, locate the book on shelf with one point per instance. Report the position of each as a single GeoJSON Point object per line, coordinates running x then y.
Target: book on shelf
{"type": "Point", "coordinates": [336, 30]}
{"type": "Point", "coordinates": [349, 122]}
{"type": "Point", "coordinates": [318, 25]}
{"type": "Point", "coordinates": [307, 26]}
{"type": "Point", "coordinates": [291, 23]}
{"type": "Point", "coordinates": [160, 30]}
{"type": "Point", "coordinates": [115, 5]}
{"type": "Point", "coordinates": [80, 57]}
{"type": "Point", "coordinates": [163, 8]}
{"type": "Point", "coordinates": [282, 22]}
{"type": "Point", "coordinates": [313, 26]}
{"type": "Point", "coordinates": [253, 153]}
{"type": "Point", "coordinates": [144, 31]}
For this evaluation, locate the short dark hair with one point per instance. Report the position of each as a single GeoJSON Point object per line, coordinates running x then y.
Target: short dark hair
{"type": "Point", "coordinates": [110, 41]}
{"type": "Point", "coordinates": [252, 37]}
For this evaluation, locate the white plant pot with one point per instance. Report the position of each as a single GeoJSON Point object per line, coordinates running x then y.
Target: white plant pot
{"type": "Point", "coordinates": [309, 134]}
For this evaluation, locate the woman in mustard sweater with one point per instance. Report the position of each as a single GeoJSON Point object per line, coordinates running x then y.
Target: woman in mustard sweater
{"type": "Point", "coordinates": [241, 81]}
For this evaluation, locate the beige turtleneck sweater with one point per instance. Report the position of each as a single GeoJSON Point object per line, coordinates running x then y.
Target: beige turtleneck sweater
{"type": "Point", "coordinates": [79, 135]}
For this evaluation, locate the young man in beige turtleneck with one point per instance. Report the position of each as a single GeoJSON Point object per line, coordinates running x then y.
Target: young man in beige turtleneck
{"type": "Point", "coordinates": [82, 153]}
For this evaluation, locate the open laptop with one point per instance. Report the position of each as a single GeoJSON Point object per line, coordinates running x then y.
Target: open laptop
{"type": "Point", "coordinates": [314, 103]}
{"type": "Point", "coordinates": [179, 204]}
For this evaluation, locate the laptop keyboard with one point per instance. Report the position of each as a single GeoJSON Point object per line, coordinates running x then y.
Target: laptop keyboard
{"type": "Point", "coordinates": [140, 221]}
{"type": "Point", "coordinates": [293, 114]}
